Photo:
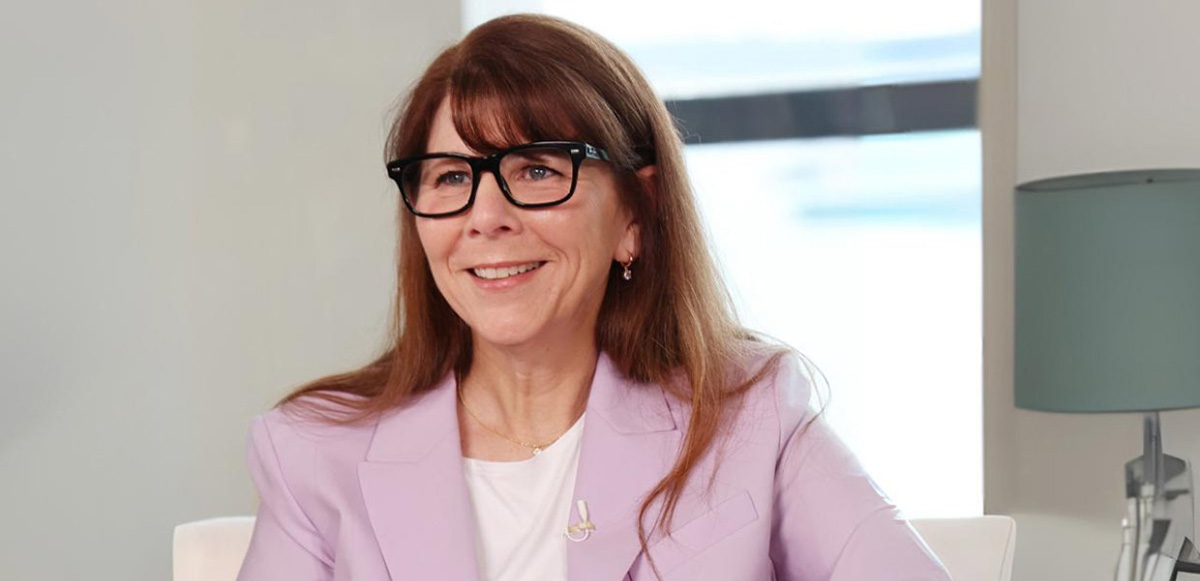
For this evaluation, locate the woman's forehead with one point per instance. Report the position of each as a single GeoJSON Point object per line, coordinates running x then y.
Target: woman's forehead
{"type": "Point", "coordinates": [443, 136]}
{"type": "Point", "coordinates": [447, 133]}
{"type": "Point", "coordinates": [491, 123]}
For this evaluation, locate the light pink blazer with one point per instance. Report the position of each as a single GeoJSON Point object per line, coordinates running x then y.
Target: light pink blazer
{"type": "Point", "coordinates": [388, 500]}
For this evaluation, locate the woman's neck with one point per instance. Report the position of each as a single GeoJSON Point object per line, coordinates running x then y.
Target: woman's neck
{"type": "Point", "coordinates": [533, 394]}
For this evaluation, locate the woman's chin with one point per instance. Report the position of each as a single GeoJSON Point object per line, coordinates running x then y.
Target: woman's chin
{"type": "Point", "coordinates": [513, 335]}
{"type": "Point", "coordinates": [505, 336]}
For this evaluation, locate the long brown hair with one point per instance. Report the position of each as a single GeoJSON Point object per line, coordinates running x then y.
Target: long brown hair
{"type": "Point", "coordinates": [523, 78]}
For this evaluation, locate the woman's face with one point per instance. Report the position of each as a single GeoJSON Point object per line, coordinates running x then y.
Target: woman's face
{"type": "Point", "coordinates": [572, 246]}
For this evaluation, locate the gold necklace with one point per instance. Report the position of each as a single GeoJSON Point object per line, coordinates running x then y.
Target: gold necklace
{"type": "Point", "coordinates": [537, 448]}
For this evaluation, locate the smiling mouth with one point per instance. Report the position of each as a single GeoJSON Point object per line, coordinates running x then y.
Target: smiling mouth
{"type": "Point", "coordinates": [497, 273]}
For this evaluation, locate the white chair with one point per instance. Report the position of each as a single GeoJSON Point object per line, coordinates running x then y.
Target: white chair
{"type": "Point", "coordinates": [973, 549]}
{"type": "Point", "coordinates": [212, 549]}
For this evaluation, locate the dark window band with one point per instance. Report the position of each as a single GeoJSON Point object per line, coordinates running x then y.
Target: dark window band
{"type": "Point", "coordinates": [872, 110]}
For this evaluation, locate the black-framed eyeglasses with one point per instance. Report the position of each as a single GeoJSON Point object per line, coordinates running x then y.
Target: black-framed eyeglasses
{"type": "Point", "coordinates": [532, 175]}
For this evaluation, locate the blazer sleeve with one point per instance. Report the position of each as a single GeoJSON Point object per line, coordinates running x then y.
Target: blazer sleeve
{"type": "Point", "coordinates": [285, 543]}
{"type": "Point", "coordinates": [830, 521]}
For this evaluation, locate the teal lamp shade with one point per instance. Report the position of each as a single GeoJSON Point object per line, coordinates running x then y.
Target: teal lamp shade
{"type": "Point", "coordinates": [1108, 292]}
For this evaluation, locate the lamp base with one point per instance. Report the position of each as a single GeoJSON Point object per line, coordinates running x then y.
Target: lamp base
{"type": "Point", "coordinates": [1158, 529]}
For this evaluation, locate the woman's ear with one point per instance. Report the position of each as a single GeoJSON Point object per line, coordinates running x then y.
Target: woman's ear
{"type": "Point", "coordinates": [648, 177]}
{"type": "Point", "coordinates": [630, 246]}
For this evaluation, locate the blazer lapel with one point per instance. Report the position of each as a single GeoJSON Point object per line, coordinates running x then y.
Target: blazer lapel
{"type": "Point", "coordinates": [630, 441]}
{"type": "Point", "coordinates": [415, 494]}
{"type": "Point", "coordinates": [417, 499]}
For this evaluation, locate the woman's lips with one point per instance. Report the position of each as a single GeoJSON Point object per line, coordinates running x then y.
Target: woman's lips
{"type": "Point", "coordinates": [502, 272]}
{"type": "Point", "coordinates": [504, 275]}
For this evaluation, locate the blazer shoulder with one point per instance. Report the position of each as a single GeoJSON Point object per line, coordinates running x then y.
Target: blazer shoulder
{"type": "Point", "coordinates": [793, 390]}
{"type": "Point", "coordinates": [311, 427]}
{"type": "Point", "coordinates": [301, 459]}
{"type": "Point", "coordinates": [783, 390]}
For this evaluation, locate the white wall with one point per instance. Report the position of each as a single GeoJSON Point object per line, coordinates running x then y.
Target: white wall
{"type": "Point", "coordinates": [195, 219]}
{"type": "Point", "coordinates": [1107, 85]}
{"type": "Point", "coordinates": [1071, 87]}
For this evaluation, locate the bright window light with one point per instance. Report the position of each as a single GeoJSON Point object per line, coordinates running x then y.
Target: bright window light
{"type": "Point", "coordinates": [862, 252]}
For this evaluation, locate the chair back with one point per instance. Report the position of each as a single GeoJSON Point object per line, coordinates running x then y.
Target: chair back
{"type": "Point", "coordinates": [976, 548]}
{"type": "Point", "coordinates": [973, 549]}
{"type": "Point", "coordinates": [212, 549]}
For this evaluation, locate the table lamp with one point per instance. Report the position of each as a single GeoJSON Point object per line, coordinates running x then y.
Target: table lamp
{"type": "Point", "coordinates": [1108, 320]}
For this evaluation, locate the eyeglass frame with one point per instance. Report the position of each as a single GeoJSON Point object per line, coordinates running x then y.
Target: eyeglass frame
{"type": "Point", "coordinates": [578, 150]}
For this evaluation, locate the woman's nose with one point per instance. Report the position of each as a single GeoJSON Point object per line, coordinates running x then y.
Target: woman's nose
{"type": "Point", "coordinates": [491, 214]}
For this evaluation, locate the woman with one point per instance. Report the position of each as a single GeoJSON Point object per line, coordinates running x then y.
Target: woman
{"type": "Point", "coordinates": [566, 383]}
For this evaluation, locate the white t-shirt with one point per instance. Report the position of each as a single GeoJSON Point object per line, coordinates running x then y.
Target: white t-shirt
{"type": "Point", "coordinates": [522, 509]}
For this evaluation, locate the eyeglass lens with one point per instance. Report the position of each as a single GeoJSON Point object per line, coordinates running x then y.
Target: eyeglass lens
{"type": "Point", "coordinates": [532, 176]}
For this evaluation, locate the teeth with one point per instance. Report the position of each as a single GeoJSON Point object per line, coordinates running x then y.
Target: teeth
{"type": "Point", "coordinates": [505, 271]}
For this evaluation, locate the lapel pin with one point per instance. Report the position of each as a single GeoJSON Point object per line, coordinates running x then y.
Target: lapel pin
{"type": "Point", "coordinates": [580, 532]}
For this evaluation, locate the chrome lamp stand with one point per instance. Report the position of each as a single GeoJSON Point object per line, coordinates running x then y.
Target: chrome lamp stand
{"type": "Point", "coordinates": [1158, 530]}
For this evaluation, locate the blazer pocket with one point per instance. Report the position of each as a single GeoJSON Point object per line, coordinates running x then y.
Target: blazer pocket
{"type": "Point", "coordinates": [697, 535]}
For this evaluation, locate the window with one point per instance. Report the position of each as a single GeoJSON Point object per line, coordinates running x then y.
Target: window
{"type": "Point", "coordinates": [834, 151]}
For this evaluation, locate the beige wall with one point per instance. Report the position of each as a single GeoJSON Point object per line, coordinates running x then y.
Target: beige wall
{"type": "Point", "coordinates": [195, 219]}
{"type": "Point", "coordinates": [1070, 87]}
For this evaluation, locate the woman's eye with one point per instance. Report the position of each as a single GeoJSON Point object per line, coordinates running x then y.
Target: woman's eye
{"type": "Point", "coordinates": [453, 178]}
{"type": "Point", "coordinates": [538, 172]}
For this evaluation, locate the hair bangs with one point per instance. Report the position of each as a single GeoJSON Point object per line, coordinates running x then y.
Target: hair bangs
{"type": "Point", "coordinates": [496, 107]}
